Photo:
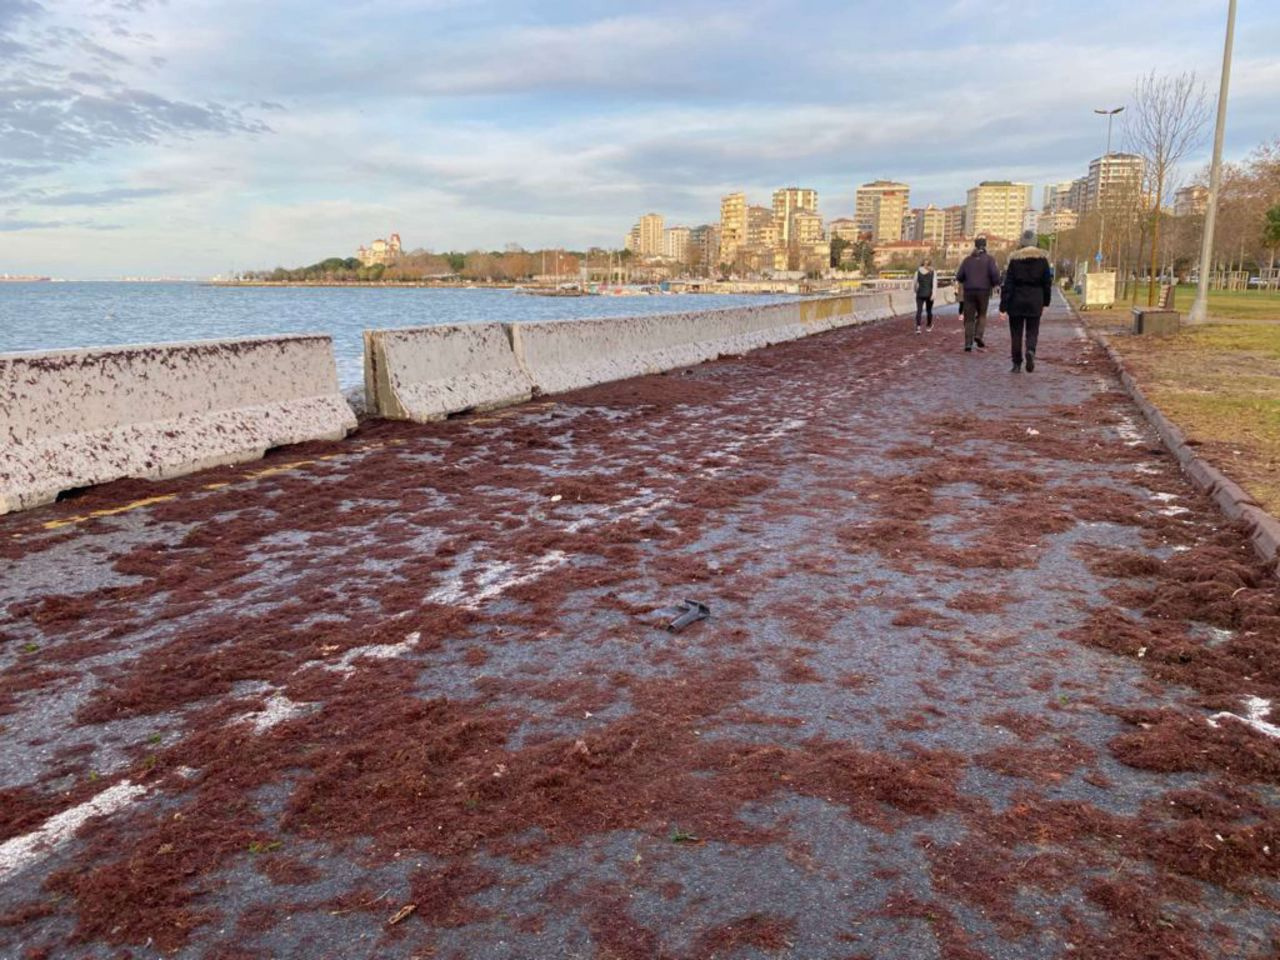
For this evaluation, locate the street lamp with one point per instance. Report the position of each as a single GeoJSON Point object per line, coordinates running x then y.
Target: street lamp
{"type": "Point", "coordinates": [1200, 309]}
{"type": "Point", "coordinates": [1102, 216]}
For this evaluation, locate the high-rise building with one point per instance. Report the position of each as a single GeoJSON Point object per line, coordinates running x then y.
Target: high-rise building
{"type": "Point", "coordinates": [879, 207]}
{"type": "Point", "coordinates": [954, 224]}
{"type": "Point", "coordinates": [1114, 179]}
{"type": "Point", "coordinates": [651, 233]}
{"type": "Point", "coordinates": [763, 230]}
{"type": "Point", "coordinates": [996, 209]}
{"type": "Point", "coordinates": [929, 226]}
{"type": "Point", "coordinates": [675, 244]}
{"type": "Point", "coordinates": [1189, 201]}
{"type": "Point", "coordinates": [632, 242]}
{"type": "Point", "coordinates": [704, 245]}
{"type": "Point", "coordinates": [787, 202]}
{"type": "Point", "coordinates": [733, 225]}
{"type": "Point", "coordinates": [1078, 196]}
{"type": "Point", "coordinates": [1057, 196]}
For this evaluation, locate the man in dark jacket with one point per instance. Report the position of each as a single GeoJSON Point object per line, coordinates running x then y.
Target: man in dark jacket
{"type": "Point", "coordinates": [924, 293]}
{"type": "Point", "coordinates": [1025, 292]}
{"type": "Point", "coordinates": [979, 275]}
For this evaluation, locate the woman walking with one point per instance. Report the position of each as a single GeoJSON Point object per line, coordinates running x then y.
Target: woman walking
{"type": "Point", "coordinates": [1025, 292]}
{"type": "Point", "coordinates": [926, 280]}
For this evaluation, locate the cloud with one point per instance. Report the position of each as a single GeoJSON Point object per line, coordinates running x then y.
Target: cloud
{"type": "Point", "coordinates": [67, 94]}
{"type": "Point", "coordinates": [18, 225]}
{"type": "Point", "coordinates": [99, 198]}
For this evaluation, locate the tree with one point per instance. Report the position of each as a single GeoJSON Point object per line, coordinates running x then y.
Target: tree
{"type": "Point", "coordinates": [1271, 234]}
{"type": "Point", "coordinates": [838, 245]}
{"type": "Point", "coordinates": [1167, 120]}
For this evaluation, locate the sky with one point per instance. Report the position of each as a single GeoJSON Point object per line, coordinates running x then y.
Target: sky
{"type": "Point", "coordinates": [200, 137]}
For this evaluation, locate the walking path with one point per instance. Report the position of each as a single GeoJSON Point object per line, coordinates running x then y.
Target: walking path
{"type": "Point", "coordinates": [983, 677]}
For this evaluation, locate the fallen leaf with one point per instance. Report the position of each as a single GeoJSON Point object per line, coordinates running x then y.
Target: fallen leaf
{"type": "Point", "coordinates": [403, 912]}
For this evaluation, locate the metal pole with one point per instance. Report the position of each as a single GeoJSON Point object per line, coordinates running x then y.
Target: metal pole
{"type": "Point", "coordinates": [1200, 309]}
{"type": "Point", "coordinates": [1102, 216]}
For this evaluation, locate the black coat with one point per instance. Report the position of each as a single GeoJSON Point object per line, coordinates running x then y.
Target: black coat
{"type": "Point", "coordinates": [1027, 287]}
{"type": "Point", "coordinates": [978, 272]}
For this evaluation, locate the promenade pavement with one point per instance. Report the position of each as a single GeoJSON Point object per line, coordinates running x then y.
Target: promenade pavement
{"type": "Point", "coordinates": [984, 676]}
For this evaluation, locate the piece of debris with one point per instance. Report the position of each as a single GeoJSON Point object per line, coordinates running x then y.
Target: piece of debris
{"type": "Point", "coordinates": [691, 611]}
{"type": "Point", "coordinates": [403, 912]}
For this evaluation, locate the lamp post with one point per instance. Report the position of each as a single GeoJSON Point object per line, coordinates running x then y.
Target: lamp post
{"type": "Point", "coordinates": [1102, 215]}
{"type": "Point", "coordinates": [1200, 309]}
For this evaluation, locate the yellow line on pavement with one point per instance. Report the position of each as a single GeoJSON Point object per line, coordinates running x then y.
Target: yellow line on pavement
{"type": "Point", "coordinates": [110, 512]}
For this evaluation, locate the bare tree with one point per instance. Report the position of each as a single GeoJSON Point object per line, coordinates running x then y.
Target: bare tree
{"type": "Point", "coordinates": [1167, 121]}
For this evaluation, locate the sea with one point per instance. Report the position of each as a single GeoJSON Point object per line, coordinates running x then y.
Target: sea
{"type": "Point", "coordinates": [54, 315]}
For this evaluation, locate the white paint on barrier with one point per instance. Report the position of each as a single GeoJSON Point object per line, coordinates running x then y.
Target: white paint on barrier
{"type": "Point", "coordinates": [1256, 708]}
{"type": "Point", "coordinates": [19, 852]}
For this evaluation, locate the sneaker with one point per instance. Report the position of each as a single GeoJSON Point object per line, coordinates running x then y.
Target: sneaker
{"type": "Point", "coordinates": [968, 349]}
{"type": "Point", "coordinates": [979, 343]}
{"type": "Point", "coordinates": [1016, 368]}
{"type": "Point", "coordinates": [917, 331]}
{"type": "Point", "coordinates": [1031, 360]}
{"type": "Point", "coordinates": [929, 327]}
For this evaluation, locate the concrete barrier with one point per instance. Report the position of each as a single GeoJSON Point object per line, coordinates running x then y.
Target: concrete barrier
{"type": "Point", "coordinates": [873, 306]}
{"type": "Point", "coordinates": [562, 355]}
{"type": "Point", "coordinates": [74, 418]}
{"type": "Point", "coordinates": [427, 373]}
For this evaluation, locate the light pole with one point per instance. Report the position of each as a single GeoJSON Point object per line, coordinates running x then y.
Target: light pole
{"type": "Point", "coordinates": [1200, 309]}
{"type": "Point", "coordinates": [1102, 215]}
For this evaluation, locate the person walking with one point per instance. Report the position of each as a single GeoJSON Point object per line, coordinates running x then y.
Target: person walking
{"type": "Point", "coordinates": [1025, 291]}
{"type": "Point", "coordinates": [926, 282]}
{"type": "Point", "coordinates": [979, 275]}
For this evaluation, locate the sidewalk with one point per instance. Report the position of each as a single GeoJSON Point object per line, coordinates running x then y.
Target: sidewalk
{"type": "Point", "coordinates": [962, 693]}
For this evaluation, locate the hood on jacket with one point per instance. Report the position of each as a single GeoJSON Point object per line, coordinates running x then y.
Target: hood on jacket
{"type": "Point", "coordinates": [1028, 253]}
{"type": "Point", "coordinates": [923, 270]}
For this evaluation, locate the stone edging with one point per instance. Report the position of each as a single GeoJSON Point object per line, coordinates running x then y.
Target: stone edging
{"type": "Point", "coordinates": [1232, 500]}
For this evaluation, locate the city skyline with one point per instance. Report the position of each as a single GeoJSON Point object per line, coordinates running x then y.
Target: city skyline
{"type": "Point", "coordinates": [140, 137]}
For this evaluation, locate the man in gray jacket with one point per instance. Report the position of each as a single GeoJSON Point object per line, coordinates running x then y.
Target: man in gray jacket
{"type": "Point", "coordinates": [978, 275]}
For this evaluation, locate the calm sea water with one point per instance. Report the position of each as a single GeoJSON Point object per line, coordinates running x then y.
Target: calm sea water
{"type": "Point", "coordinates": [45, 316]}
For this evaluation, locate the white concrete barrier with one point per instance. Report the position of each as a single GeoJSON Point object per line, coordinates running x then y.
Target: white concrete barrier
{"type": "Point", "coordinates": [873, 306]}
{"type": "Point", "coordinates": [427, 373]}
{"type": "Point", "coordinates": [564, 355]}
{"type": "Point", "coordinates": [74, 418]}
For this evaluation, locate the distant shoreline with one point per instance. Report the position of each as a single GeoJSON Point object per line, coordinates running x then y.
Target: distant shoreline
{"type": "Point", "coordinates": [375, 284]}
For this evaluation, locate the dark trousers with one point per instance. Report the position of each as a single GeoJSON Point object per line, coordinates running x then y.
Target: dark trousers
{"type": "Point", "coordinates": [921, 304]}
{"type": "Point", "coordinates": [975, 315]}
{"type": "Point", "coordinates": [1016, 326]}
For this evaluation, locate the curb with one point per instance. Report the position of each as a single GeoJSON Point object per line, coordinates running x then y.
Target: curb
{"type": "Point", "coordinates": [1231, 498]}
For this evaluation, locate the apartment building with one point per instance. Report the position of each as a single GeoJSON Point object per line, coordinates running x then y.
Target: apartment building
{"type": "Point", "coordinates": [789, 201]}
{"type": "Point", "coordinates": [879, 208]}
{"type": "Point", "coordinates": [704, 245]}
{"type": "Point", "coordinates": [1051, 223]}
{"type": "Point", "coordinates": [996, 208]}
{"type": "Point", "coordinates": [953, 223]}
{"type": "Point", "coordinates": [1191, 201]}
{"type": "Point", "coordinates": [733, 225]}
{"type": "Point", "coordinates": [675, 244]}
{"type": "Point", "coordinates": [651, 226]}
{"type": "Point", "coordinates": [1115, 178]}
{"type": "Point", "coordinates": [1057, 196]}
{"type": "Point", "coordinates": [844, 228]}
{"type": "Point", "coordinates": [929, 226]}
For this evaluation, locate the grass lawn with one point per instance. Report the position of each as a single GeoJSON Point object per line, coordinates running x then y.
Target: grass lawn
{"type": "Point", "coordinates": [1219, 382]}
